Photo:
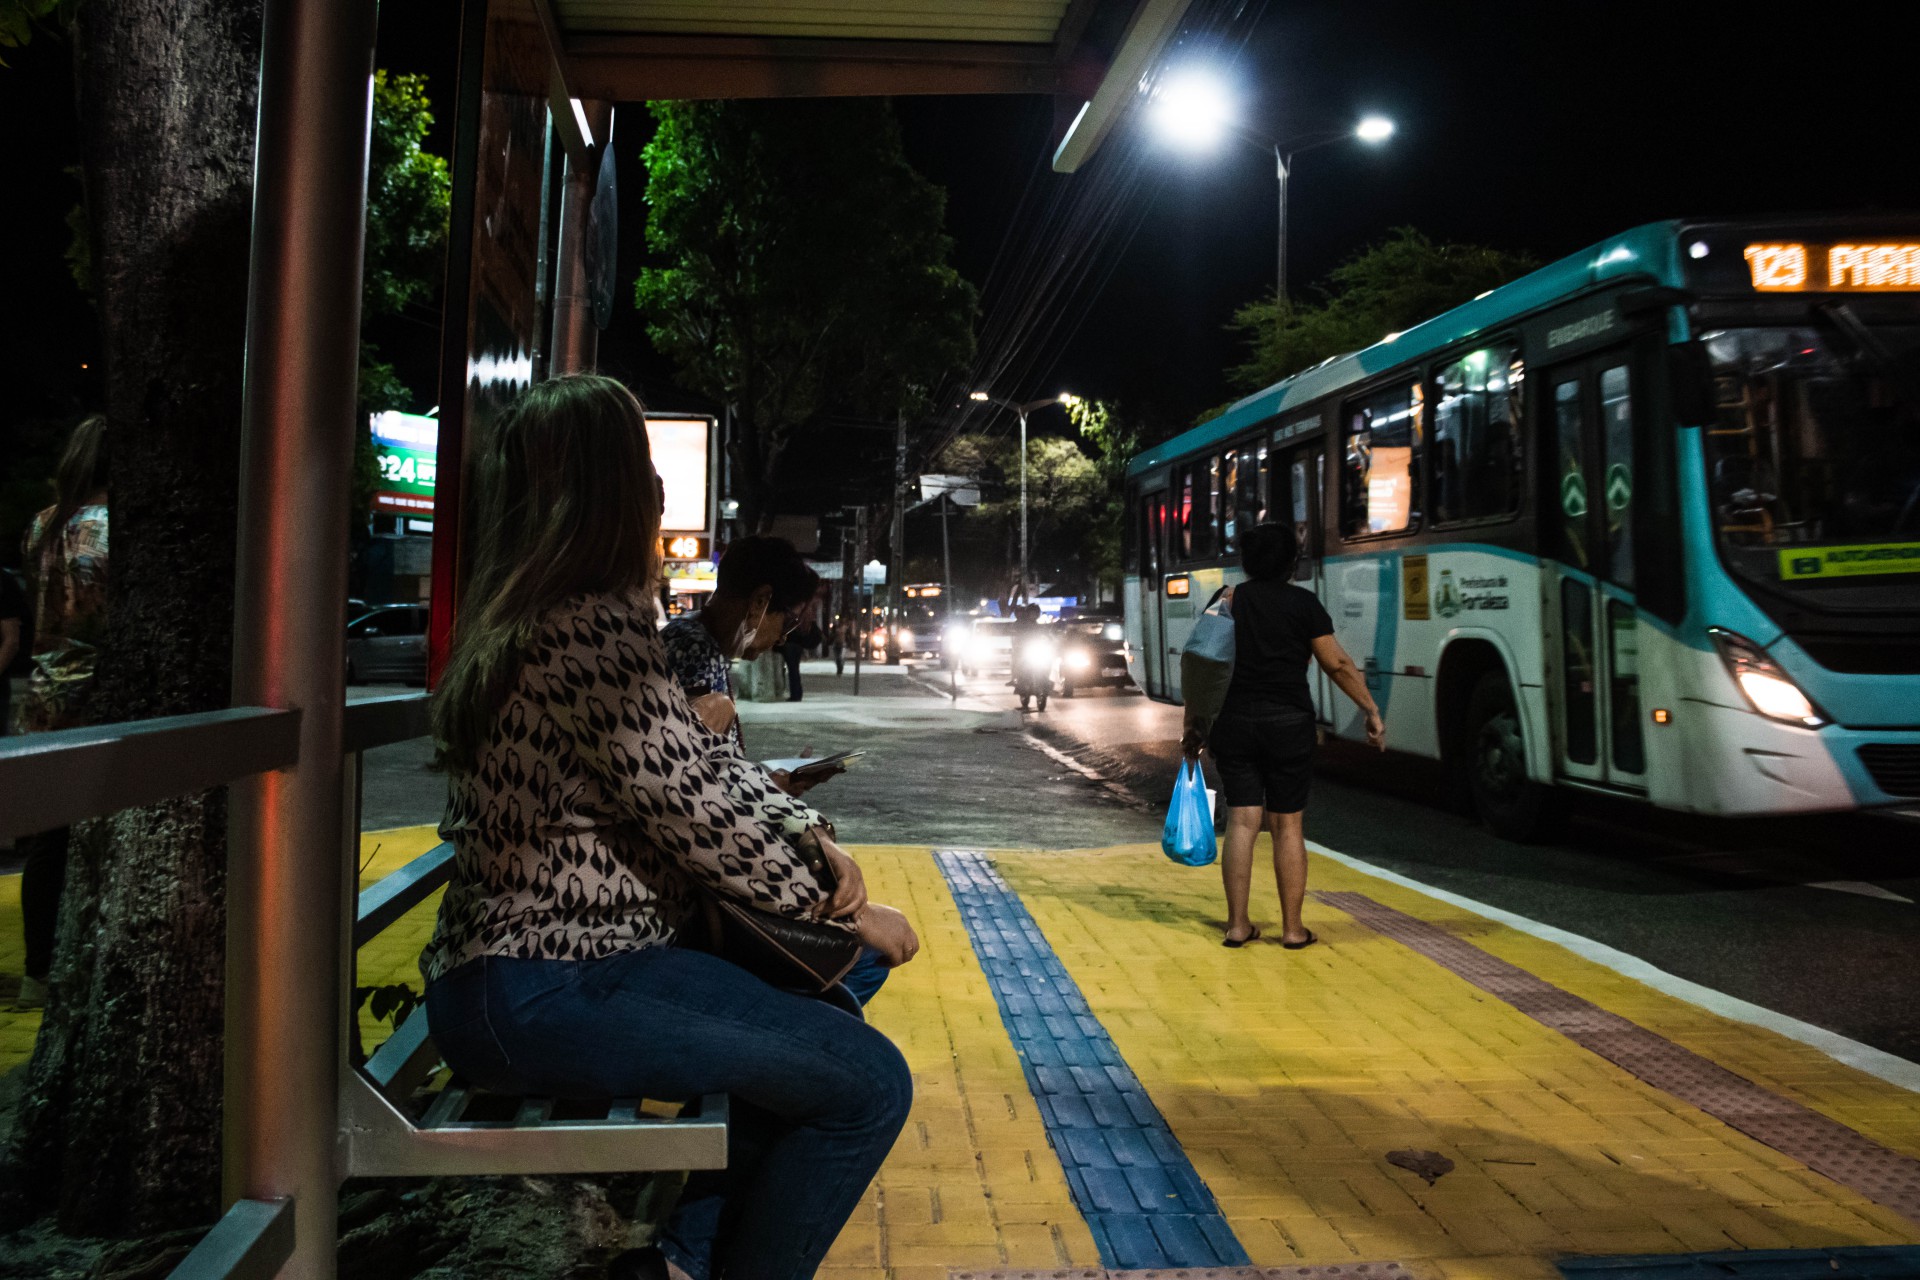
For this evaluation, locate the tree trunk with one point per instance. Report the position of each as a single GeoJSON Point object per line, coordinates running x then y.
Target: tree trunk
{"type": "Point", "coordinates": [120, 1122]}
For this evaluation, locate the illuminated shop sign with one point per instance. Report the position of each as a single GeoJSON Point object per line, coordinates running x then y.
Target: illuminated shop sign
{"type": "Point", "coordinates": [1791, 266]}
{"type": "Point", "coordinates": [1180, 586]}
{"type": "Point", "coordinates": [686, 547]}
{"type": "Point", "coordinates": [405, 447]}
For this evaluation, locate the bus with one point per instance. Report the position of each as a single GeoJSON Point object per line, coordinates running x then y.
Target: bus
{"type": "Point", "coordinates": [1644, 522]}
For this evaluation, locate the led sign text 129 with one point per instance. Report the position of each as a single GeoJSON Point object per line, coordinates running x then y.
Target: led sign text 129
{"type": "Point", "coordinates": [1792, 267]}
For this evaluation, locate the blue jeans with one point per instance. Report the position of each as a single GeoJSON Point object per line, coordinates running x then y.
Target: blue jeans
{"type": "Point", "coordinates": [817, 1096]}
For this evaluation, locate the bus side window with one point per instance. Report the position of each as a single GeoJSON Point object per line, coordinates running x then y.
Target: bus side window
{"type": "Point", "coordinates": [1477, 461]}
{"type": "Point", "coordinates": [1226, 470]}
{"type": "Point", "coordinates": [1380, 484]}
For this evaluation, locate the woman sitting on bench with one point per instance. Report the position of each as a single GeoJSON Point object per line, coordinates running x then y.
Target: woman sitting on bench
{"type": "Point", "coordinates": [587, 823]}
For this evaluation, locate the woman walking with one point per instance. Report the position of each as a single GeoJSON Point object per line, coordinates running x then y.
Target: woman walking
{"type": "Point", "coordinates": [588, 822]}
{"type": "Point", "coordinates": [66, 561]}
{"type": "Point", "coordinates": [1263, 740]}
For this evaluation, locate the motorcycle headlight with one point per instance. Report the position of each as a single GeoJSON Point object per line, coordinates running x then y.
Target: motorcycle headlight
{"type": "Point", "coordinates": [1771, 690]}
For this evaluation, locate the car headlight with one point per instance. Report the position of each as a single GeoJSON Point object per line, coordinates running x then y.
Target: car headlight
{"type": "Point", "coordinates": [1771, 690]}
{"type": "Point", "coordinates": [1079, 660]}
{"type": "Point", "coordinates": [1113, 631]}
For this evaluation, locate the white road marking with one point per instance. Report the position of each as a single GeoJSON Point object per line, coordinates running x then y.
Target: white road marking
{"type": "Point", "coordinates": [1875, 1062]}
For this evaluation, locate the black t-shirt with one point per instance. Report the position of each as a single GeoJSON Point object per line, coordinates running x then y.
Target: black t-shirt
{"type": "Point", "coordinates": [1274, 626]}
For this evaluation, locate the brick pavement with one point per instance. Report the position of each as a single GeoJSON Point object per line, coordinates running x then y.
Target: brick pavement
{"type": "Point", "coordinates": [1287, 1077]}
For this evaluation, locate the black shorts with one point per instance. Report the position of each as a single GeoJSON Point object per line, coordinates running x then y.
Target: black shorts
{"type": "Point", "coordinates": [1265, 757]}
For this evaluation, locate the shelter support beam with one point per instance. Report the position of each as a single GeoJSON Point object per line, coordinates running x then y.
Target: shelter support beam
{"type": "Point", "coordinates": [576, 339]}
{"type": "Point", "coordinates": [284, 938]}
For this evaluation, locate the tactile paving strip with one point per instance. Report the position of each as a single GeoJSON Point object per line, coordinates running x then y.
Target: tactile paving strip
{"type": "Point", "coordinates": [1822, 1144]}
{"type": "Point", "coordinates": [1142, 1199]}
{"type": "Point", "coordinates": [1326, 1271]}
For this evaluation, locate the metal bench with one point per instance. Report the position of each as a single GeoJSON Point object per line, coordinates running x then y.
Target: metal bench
{"type": "Point", "coordinates": [386, 1131]}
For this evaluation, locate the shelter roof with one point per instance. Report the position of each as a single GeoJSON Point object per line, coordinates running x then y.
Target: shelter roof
{"type": "Point", "coordinates": [1088, 54]}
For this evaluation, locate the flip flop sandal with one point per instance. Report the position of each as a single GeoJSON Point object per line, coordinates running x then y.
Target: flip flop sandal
{"type": "Point", "coordinates": [1307, 941]}
{"type": "Point", "coordinates": [1251, 937]}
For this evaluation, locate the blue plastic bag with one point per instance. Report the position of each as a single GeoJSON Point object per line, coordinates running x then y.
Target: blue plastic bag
{"type": "Point", "coordinates": [1188, 836]}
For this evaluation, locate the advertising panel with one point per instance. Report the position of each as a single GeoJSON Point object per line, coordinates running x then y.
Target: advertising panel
{"type": "Point", "coordinates": [405, 445]}
{"type": "Point", "coordinates": [683, 455]}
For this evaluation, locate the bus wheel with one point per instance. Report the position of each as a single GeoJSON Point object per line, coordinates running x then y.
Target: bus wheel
{"type": "Point", "coordinates": [1507, 800]}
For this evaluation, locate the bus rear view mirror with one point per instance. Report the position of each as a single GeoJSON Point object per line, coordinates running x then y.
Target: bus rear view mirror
{"type": "Point", "coordinates": [1690, 375]}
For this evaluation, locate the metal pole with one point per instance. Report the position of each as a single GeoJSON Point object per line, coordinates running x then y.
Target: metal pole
{"type": "Point", "coordinates": [1023, 505]}
{"type": "Point", "coordinates": [576, 339]}
{"type": "Point", "coordinates": [860, 616]}
{"type": "Point", "coordinates": [897, 570]}
{"type": "Point", "coordinates": [285, 883]}
{"type": "Point", "coordinates": [1282, 167]}
{"type": "Point", "coordinates": [946, 589]}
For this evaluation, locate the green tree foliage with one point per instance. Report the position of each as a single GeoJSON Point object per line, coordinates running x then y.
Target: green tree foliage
{"type": "Point", "coordinates": [1392, 286]}
{"type": "Point", "coordinates": [1115, 440]}
{"type": "Point", "coordinates": [801, 268]}
{"type": "Point", "coordinates": [1066, 497]}
{"type": "Point", "coordinates": [19, 18]}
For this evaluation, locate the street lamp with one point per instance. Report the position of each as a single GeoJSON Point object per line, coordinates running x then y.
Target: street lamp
{"type": "Point", "coordinates": [1022, 410]}
{"type": "Point", "coordinates": [1193, 111]}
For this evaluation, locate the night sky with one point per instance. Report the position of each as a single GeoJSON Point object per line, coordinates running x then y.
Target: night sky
{"type": "Point", "coordinates": [1539, 127]}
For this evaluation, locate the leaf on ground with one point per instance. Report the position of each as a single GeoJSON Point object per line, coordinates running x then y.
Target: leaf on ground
{"type": "Point", "coordinates": [1430, 1165]}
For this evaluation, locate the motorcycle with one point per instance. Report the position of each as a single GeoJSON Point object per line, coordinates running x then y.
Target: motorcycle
{"type": "Point", "coordinates": [1033, 670]}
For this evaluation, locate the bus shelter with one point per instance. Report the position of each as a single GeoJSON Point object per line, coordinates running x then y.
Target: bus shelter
{"type": "Point", "coordinates": [538, 80]}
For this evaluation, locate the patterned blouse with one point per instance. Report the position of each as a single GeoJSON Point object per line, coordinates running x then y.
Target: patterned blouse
{"type": "Point", "coordinates": [68, 582]}
{"type": "Point", "coordinates": [599, 800]}
{"type": "Point", "coordinates": [696, 660]}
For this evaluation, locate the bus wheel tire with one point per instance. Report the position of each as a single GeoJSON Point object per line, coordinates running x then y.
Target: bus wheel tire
{"type": "Point", "coordinates": [1512, 805]}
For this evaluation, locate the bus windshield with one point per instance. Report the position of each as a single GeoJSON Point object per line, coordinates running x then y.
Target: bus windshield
{"type": "Point", "coordinates": [1813, 468]}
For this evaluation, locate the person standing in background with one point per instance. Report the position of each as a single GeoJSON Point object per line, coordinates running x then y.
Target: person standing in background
{"type": "Point", "coordinates": [1264, 739]}
{"type": "Point", "coordinates": [802, 638]}
{"type": "Point", "coordinates": [66, 561]}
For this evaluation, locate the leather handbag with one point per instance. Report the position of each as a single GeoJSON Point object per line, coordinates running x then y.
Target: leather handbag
{"type": "Point", "coordinates": [795, 955]}
{"type": "Point", "coordinates": [802, 955]}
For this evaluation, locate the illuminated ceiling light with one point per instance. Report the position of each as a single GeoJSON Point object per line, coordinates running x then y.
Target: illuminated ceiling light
{"type": "Point", "coordinates": [1374, 129]}
{"type": "Point", "coordinates": [1191, 110]}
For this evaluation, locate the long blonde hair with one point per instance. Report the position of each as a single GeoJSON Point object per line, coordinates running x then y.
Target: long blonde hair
{"type": "Point", "coordinates": [567, 505]}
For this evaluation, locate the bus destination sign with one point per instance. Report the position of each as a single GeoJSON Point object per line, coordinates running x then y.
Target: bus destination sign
{"type": "Point", "coordinates": [1792, 266]}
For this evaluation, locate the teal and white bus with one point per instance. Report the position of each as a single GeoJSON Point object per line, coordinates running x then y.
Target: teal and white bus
{"type": "Point", "coordinates": [1645, 522]}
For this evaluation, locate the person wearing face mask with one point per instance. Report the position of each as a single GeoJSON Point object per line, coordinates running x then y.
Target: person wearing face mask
{"type": "Point", "coordinates": [759, 591]}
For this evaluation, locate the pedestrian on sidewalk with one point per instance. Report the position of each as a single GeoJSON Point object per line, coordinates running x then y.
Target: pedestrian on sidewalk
{"type": "Point", "coordinates": [803, 637]}
{"type": "Point", "coordinates": [66, 559]}
{"type": "Point", "coordinates": [1263, 740]}
{"type": "Point", "coordinates": [842, 641]}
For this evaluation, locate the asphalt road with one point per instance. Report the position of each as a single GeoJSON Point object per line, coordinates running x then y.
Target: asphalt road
{"type": "Point", "coordinates": [1810, 917]}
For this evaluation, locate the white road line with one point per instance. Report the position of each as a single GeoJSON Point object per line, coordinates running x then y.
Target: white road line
{"type": "Point", "coordinates": [1875, 1062]}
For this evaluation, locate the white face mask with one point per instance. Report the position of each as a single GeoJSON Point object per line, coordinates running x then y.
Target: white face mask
{"type": "Point", "coordinates": [749, 626]}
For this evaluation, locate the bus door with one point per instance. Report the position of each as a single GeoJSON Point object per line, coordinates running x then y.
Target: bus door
{"type": "Point", "coordinates": [1153, 572]}
{"type": "Point", "coordinates": [1591, 632]}
{"type": "Point", "coordinates": [1297, 474]}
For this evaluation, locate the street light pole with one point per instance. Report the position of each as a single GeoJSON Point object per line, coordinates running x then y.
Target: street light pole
{"type": "Point", "coordinates": [1282, 165]}
{"type": "Point", "coordinates": [1021, 411]}
{"type": "Point", "coordinates": [1023, 504]}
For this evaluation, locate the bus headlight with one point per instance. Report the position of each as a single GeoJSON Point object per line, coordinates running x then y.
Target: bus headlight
{"type": "Point", "coordinates": [1771, 690]}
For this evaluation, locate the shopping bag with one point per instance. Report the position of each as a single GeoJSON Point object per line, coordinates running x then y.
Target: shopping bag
{"type": "Point", "coordinates": [1206, 662]}
{"type": "Point", "coordinates": [1188, 836]}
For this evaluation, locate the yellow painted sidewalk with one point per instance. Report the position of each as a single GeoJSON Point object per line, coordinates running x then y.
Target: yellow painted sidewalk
{"type": "Point", "coordinates": [1287, 1077]}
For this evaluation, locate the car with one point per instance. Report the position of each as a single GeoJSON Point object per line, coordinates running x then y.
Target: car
{"type": "Point", "coordinates": [986, 644]}
{"type": "Point", "coordinates": [1093, 651]}
{"type": "Point", "coordinates": [389, 642]}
